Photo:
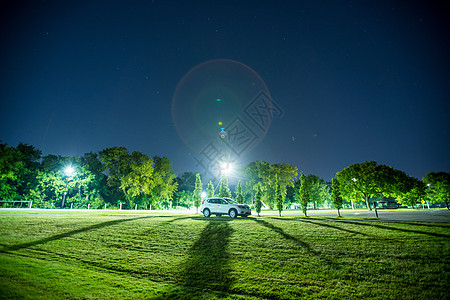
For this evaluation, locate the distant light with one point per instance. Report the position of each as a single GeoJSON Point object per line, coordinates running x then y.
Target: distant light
{"type": "Point", "coordinates": [203, 195]}
{"type": "Point", "coordinates": [220, 123]}
{"type": "Point", "coordinates": [218, 100]}
{"type": "Point", "coordinates": [69, 170]}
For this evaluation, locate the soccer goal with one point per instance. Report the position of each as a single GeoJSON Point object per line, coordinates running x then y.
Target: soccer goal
{"type": "Point", "coordinates": [15, 204]}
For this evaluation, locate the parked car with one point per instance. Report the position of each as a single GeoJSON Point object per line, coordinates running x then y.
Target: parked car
{"type": "Point", "coordinates": [224, 206]}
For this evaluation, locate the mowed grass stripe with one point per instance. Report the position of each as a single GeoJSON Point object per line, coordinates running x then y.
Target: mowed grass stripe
{"type": "Point", "coordinates": [150, 256]}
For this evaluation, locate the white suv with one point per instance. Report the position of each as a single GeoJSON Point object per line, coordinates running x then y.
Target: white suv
{"type": "Point", "coordinates": [224, 206]}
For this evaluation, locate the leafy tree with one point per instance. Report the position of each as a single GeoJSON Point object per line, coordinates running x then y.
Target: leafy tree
{"type": "Point", "coordinates": [303, 193]}
{"type": "Point", "coordinates": [258, 203]}
{"type": "Point", "coordinates": [408, 190]}
{"type": "Point", "coordinates": [366, 180]}
{"type": "Point", "coordinates": [239, 196]}
{"type": "Point", "coordinates": [117, 163]}
{"type": "Point", "coordinates": [336, 195]}
{"type": "Point", "coordinates": [318, 190]}
{"type": "Point", "coordinates": [18, 170]}
{"type": "Point", "coordinates": [285, 174]}
{"type": "Point", "coordinates": [290, 193]}
{"type": "Point", "coordinates": [138, 184]}
{"type": "Point", "coordinates": [279, 196]}
{"type": "Point", "coordinates": [438, 187]}
{"type": "Point", "coordinates": [50, 188]}
{"type": "Point", "coordinates": [210, 189]}
{"type": "Point", "coordinates": [164, 178]}
{"type": "Point", "coordinates": [197, 192]}
{"type": "Point", "coordinates": [183, 198]}
{"type": "Point", "coordinates": [29, 157]}
{"type": "Point", "coordinates": [186, 181]}
{"type": "Point", "coordinates": [90, 162]}
{"type": "Point", "coordinates": [224, 190]}
{"type": "Point", "coordinates": [10, 167]}
{"type": "Point", "coordinates": [263, 173]}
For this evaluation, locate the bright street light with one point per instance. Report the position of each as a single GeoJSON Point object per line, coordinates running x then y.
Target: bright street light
{"type": "Point", "coordinates": [69, 171]}
{"type": "Point", "coordinates": [227, 168]}
{"type": "Point", "coordinates": [203, 195]}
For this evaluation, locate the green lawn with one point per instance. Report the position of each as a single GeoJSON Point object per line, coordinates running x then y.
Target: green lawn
{"type": "Point", "coordinates": [127, 255]}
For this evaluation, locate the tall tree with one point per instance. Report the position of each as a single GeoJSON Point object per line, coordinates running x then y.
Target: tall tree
{"type": "Point", "coordinates": [186, 181]}
{"type": "Point", "coordinates": [315, 189]}
{"type": "Point", "coordinates": [263, 173]}
{"type": "Point", "coordinates": [29, 156]}
{"type": "Point", "coordinates": [117, 163]}
{"type": "Point", "coordinates": [18, 170]}
{"type": "Point", "coordinates": [303, 193]}
{"type": "Point", "coordinates": [239, 196]}
{"type": "Point", "coordinates": [90, 162]}
{"type": "Point", "coordinates": [165, 185]}
{"type": "Point", "coordinates": [224, 190]}
{"type": "Point", "coordinates": [279, 197]}
{"type": "Point", "coordinates": [438, 187]}
{"type": "Point", "coordinates": [336, 195]}
{"type": "Point", "coordinates": [366, 180]}
{"type": "Point", "coordinates": [258, 203]}
{"type": "Point", "coordinates": [10, 168]}
{"type": "Point", "coordinates": [196, 196]}
{"type": "Point", "coordinates": [138, 184]}
{"type": "Point", "coordinates": [210, 189]}
{"type": "Point", "coordinates": [183, 198]}
{"type": "Point", "coordinates": [407, 190]}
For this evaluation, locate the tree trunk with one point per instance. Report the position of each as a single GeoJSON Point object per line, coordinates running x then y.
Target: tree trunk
{"type": "Point", "coordinates": [339, 213]}
{"type": "Point", "coordinates": [446, 203]}
{"type": "Point", "coordinates": [368, 202]}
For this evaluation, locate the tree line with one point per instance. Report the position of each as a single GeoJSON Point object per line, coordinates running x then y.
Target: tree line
{"type": "Point", "coordinates": [116, 177]}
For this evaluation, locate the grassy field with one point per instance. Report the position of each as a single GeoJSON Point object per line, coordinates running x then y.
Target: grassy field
{"type": "Point", "coordinates": [128, 255]}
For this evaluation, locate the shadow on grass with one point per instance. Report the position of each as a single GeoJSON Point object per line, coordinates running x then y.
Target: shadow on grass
{"type": "Point", "coordinates": [336, 227]}
{"type": "Point", "coordinates": [206, 272]}
{"type": "Point", "coordinates": [445, 226]}
{"type": "Point", "coordinates": [281, 232]}
{"type": "Point", "coordinates": [299, 242]}
{"type": "Point", "coordinates": [68, 234]}
{"type": "Point", "coordinates": [397, 229]}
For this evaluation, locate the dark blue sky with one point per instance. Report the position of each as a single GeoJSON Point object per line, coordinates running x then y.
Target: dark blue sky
{"type": "Point", "coordinates": [355, 80]}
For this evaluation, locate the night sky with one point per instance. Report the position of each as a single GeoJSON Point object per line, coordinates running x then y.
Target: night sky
{"type": "Point", "coordinates": [349, 81]}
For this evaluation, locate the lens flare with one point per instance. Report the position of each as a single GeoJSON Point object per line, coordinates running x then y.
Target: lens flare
{"type": "Point", "coordinates": [223, 134]}
{"type": "Point", "coordinates": [214, 92]}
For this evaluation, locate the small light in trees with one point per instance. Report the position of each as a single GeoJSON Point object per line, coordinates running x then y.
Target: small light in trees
{"type": "Point", "coordinates": [203, 195]}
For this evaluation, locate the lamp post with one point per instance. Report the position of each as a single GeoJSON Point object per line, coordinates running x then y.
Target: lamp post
{"type": "Point", "coordinates": [69, 171]}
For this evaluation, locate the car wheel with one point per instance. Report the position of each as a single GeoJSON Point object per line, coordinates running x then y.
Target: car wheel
{"type": "Point", "coordinates": [233, 213]}
{"type": "Point", "coordinates": [206, 213]}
